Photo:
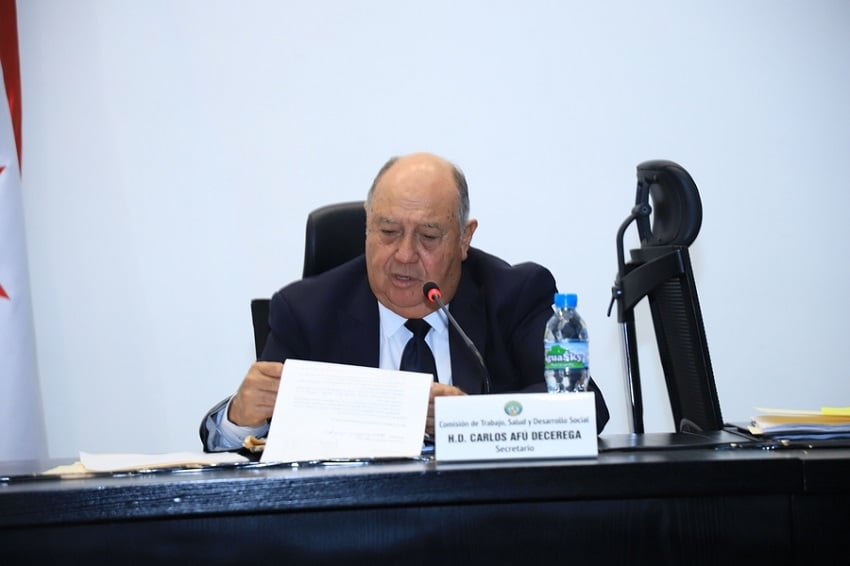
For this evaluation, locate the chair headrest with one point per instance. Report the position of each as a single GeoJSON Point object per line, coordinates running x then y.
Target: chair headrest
{"type": "Point", "coordinates": [676, 207]}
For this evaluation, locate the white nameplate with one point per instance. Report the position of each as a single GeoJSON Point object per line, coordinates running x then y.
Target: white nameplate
{"type": "Point", "coordinates": [515, 426]}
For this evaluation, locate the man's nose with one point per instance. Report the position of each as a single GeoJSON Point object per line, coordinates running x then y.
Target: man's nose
{"type": "Point", "coordinates": [407, 250]}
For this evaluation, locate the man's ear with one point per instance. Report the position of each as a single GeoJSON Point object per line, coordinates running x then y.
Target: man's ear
{"type": "Point", "coordinates": [466, 237]}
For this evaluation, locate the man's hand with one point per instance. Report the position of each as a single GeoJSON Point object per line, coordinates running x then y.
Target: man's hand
{"type": "Point", "coordinates": [438, 389]}
{"type": "Point", "coordinates": [254, 403]}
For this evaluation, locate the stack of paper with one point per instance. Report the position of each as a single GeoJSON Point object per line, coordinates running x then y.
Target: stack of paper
{"type": "Point", "coordinates": [828, 422]}
{"type": "Point", "coordinates": [123, 462]}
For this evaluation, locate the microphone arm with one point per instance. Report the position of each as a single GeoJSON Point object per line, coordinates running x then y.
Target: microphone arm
{"type": "Point", "coordinates": [433, 294]}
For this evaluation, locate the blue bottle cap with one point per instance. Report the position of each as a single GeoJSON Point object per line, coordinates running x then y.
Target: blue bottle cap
{"type": "Point", "coordinates": [560, 300]}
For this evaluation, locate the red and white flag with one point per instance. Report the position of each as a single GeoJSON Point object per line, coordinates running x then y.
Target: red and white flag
{"type": "Point", "coordinates": [22, 431]}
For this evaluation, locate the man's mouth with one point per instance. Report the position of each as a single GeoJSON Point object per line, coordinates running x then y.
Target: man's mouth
{"type": "Point", "coordinates": [404, 278]}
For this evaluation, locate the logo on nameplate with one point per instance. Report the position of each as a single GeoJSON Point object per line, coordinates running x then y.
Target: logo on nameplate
{"type": "Point", "coordinates": [513, 408]}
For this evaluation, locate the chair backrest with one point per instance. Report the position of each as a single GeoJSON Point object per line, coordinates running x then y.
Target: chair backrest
{"type": "Point", "coordinates": [335, 233]}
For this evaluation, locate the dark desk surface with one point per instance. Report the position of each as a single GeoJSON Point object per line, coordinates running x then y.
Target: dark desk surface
{"type": "Point", "coordinates": [769, 504]}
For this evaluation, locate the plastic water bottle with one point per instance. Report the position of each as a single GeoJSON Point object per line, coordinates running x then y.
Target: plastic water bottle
{"type": "Point", "coordinates": [565, 347]}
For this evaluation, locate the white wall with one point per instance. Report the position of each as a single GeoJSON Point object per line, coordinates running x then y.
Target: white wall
{"type": "Point", "coordinates": [172, 150]}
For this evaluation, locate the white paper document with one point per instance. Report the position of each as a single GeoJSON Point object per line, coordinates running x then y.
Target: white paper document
{"type": "Point", "coordinates": [117, 462]}
{"type": "Point", "coordinates": [330, 411]}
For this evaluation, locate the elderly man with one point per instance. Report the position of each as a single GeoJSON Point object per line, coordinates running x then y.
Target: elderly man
{"type": "Point", "coordinates": [417, 230]}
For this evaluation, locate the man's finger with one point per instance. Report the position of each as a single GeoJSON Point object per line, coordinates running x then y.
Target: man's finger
{"type": "Point", "coordinates": [269, 369]}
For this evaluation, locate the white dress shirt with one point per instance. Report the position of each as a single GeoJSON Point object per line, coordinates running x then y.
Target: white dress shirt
{"type": "Point", "coordinates": [394, 337]}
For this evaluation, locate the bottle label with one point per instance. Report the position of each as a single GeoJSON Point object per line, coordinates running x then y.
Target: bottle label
{"type": "Point", "coordinates": [568, 354]}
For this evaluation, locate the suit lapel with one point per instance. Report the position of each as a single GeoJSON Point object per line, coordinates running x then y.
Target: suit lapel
{"type": "Point", "coordinates": [467, 307]}
{"type": "Point", "coordinates": [358, 336]}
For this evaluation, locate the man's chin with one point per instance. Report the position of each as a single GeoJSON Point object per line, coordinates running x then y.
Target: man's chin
{"type": "Point", "coordinates": [407, 306]}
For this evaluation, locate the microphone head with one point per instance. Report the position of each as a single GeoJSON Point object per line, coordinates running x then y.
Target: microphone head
{"type": "Point", "coordinates": [431, 291]}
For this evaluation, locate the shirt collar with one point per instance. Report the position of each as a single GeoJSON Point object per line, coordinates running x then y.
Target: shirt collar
{"type": "Point", "coordinates": [392, 322]}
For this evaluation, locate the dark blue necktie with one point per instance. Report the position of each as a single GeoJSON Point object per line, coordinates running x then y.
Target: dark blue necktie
{"type": "Point", "coordinates": [417, 356]}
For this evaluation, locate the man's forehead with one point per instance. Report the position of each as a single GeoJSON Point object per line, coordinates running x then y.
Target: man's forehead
{"type": "Point", "coordinates": [431, 202]}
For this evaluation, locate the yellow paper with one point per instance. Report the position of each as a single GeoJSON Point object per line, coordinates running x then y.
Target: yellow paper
{"type": "Point", "coordinates": [836, 411]}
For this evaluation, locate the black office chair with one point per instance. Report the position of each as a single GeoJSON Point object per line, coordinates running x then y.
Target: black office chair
{"type": "Point", "coordinates": [335, 233]}
{"type": "Point", "coordinates": [661, 271]}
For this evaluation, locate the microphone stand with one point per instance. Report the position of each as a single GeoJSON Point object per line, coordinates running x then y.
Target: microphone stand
{"type": "Point", "coordinates": [432, 293]}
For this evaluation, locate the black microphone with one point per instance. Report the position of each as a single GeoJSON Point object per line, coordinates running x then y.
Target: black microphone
{"type": "Point", "coordinates": [433, 294]}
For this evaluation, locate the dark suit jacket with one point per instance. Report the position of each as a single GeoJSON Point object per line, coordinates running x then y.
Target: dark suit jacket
{"type": "Point", "coordinates": [333, 317]}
